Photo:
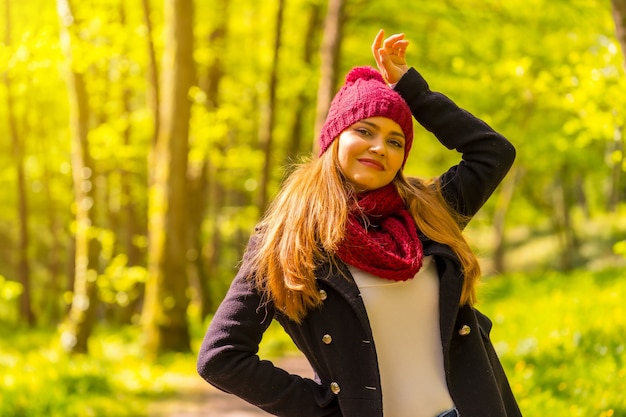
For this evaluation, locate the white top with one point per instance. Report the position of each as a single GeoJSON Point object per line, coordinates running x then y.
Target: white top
{"type": "Point", "coordinates": [404, 317]}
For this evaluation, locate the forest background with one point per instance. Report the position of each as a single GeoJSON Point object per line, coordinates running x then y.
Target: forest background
{"type": "Point", "coordinates": [141, 141]}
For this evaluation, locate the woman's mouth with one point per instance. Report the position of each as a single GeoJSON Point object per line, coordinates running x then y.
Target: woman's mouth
{"type": "Point", "coordinates": [372, 163]}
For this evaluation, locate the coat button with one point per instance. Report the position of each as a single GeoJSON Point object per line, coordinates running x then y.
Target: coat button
{"type": "Point", "coordinates": [465, 330]}
{"type": "Point", "coordinates": [327, 339]}
{"type": "Point", "coordinates": [323, 295]}
{"type": "Point", "coordinates": [335, 388]}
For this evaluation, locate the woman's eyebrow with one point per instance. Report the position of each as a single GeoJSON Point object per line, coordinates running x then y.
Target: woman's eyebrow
{"type": "Point", "coordinates": [375, 126]}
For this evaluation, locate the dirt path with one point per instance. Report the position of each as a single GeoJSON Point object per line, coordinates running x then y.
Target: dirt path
{"type": "Point", "coordinates": [199, 399]}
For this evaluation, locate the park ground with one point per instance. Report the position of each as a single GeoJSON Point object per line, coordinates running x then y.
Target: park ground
{"type": "Point", "coordinates": [196, 398]}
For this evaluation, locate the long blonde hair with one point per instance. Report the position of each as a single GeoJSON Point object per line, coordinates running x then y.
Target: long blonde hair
{"type": "Point", "coordinates": [305, 223]}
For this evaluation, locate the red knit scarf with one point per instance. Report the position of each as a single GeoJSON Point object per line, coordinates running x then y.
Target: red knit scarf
{"type": "Point", "coordinates": [381, 237]}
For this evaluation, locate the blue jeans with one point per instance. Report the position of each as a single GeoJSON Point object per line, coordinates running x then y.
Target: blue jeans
{"type": "Point", "coordinates": [450, 413]}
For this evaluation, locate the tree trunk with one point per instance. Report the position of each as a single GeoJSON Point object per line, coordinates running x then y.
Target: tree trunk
{"type": "Point", "coordinates": [207, 185]}
{"type": "Point", "coordinates": [23, 266]}
{"type": "Point", "coordinates": [131, 224]}
{"type": "Point", "coordinates": [213, 249]}
{"type": "Point", "coordinates": [329, 70]}
{"type": "Point", "coordinates": [499, 218]}
{"type": "Point", "coordinates": [165, 308]}
{"type": "Point", "coordinates": [80, 320]}
{"type": "Point", "coordinates": [217, 39]}
{"type": "Point", "coordinates": [619, 17]}
{"type": "Point", "coordinates": [303, 101]}
{"type": "Point", "coordinates": [153, 101]}
{"type": "Point", "coordinates": [153, 92]}
{"type": "Point", "coordinates": [52, 304]}
{"type": "Point", "coordinates": [198, 189]}
{"type": "Point", "coordinates": [581, 195]}
{"type": "Point", "coordinates": [267, 126]}
{"type": "Point", "coordinates": [617, 172]}
{"type": "Point", "coordinates": [565, 229]}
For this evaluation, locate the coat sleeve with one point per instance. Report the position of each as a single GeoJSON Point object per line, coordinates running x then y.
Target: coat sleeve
{"type": "Point", "coordinates": [228, 359]}
{"type": "Point", "coordinates": [486, 155]}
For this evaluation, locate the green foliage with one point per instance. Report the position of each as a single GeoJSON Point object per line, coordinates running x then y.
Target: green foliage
{"type": "Point", "coordinates": [9, 293]}
{"type": "Point", "coordinates": [560, 337]}
{"type": "Point", "coordinates": [620, 248]}
{"type": "Point", "coordinates": [119, 285]}
{"type": "Point", "coordinates": [39, 379]}
{"type": "Point", "coordinates": [547, 74]}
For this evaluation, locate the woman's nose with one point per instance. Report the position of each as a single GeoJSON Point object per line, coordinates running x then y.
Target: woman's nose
{"type": "Point", "coordinates": [377, 146]}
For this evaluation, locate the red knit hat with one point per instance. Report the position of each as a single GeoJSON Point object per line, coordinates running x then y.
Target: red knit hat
{"type": "Point", "coordinates": [364, 95]}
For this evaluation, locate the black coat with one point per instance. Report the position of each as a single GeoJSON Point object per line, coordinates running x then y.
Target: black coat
{"type": "Point", "coordinates": [337, 338]}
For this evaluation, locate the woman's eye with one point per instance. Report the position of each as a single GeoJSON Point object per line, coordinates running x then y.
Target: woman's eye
{"type": "Point", "coordinates": [395, 143]}
{"type": "Point", "coordinates": [363, 132]}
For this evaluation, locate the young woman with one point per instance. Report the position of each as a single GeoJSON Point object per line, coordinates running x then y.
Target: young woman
{"type": "Point", "coordinates": [367, 270]}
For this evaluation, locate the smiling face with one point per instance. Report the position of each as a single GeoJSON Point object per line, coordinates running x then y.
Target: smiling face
{"type": "Point", "coordinates": [371, 152]}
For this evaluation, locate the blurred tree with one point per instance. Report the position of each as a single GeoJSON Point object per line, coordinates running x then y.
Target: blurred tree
{"type": "Point", "coordinates": [329, 65]}
{"type": "Point", "coordinates": [619, 17]}
{"type": "Point", "coordinates": [53, 286]}
{"type": "Point", "coordinates": [503, 202]}
{"type": "Point", "coordinates": [152, 71]}
{"type": "Point", "coordinates": [23, 269]}
{"type": "Point", "coordinates": [269, 114]}
{"type": "Point", "coordinates": [303, 101]}
{"type": "Point", "coordinates": [165, 308]}
{"type": "Point", "coordinates": [618, 153]}
{"type": "Point", "coordinates": [81, 317]}
{"type": "Point", "coordinates": [129, 224]}
{"type": "Point", "coordinates": [552, 82]}
{"type": "Point", "coordinates": [204, 185]}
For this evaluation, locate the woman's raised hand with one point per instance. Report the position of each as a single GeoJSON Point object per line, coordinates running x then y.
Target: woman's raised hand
{"type": "Point", "coordinates": [390, 56]}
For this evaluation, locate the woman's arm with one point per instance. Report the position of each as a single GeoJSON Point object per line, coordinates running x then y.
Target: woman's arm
{"type": "Point", "coordinates": [228, 358]}
{"type": "Point", "coordinates": [486, 155]}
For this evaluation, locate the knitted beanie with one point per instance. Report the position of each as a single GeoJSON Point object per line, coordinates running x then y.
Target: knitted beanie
{"type": "Point", "coordinates": [364, 95]}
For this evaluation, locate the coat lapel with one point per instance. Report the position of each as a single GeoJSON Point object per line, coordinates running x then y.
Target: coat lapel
{"type": "Point", "coordinates": [340, 279]}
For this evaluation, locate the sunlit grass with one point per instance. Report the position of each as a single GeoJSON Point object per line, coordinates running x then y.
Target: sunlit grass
{"type": "Point", "coordinates": [39, 379]}
{"type": "Point", "coordinates": [560, 337]}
